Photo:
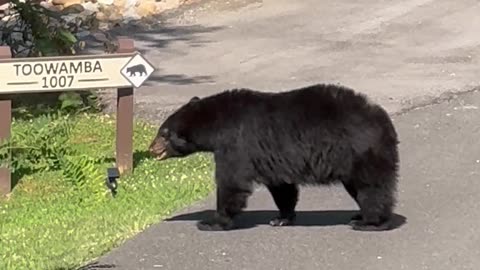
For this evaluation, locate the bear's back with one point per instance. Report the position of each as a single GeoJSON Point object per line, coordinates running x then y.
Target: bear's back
{"type": "Point", "coordinates": [321, 102]}
{"type": "Point", "coordinates": [311, 111]}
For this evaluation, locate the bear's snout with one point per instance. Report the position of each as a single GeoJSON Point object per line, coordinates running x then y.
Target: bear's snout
{"type": "Point", "coordinates": [158, 148]}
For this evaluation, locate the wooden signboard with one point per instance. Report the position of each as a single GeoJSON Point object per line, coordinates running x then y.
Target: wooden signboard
{"type": "Point", "coordinates": [124, 70]}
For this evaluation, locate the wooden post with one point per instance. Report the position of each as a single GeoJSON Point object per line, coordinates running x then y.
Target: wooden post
{"type": "Point", "coordinates": [5, 126]}
{"type": "Point", "coordinates": [124, 141]}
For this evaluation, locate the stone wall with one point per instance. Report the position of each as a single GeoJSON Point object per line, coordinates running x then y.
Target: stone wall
{"type": "Point", "coordinates": [89, 20]}
{"type": "Point", "coordinates": [110, 10]}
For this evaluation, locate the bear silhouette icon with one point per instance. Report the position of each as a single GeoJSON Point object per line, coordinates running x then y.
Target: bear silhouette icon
{"type": "Point", "coordinates": [133, 70]}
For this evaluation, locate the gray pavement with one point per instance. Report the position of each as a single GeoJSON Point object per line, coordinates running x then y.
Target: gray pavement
{"type": "Point", "coordinates": [403, 54]}
{"type": "Point", "coordinates": [438, 196]}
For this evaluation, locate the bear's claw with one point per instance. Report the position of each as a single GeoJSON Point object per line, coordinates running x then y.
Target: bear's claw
{"type": "Point", "coordinates": [354, 218]}
{"type": "Point", "coordinates": [359, 225]}
{"type": "Point", "coordinates": [214, 225]}
{"type": "Point", "coordinates": [277, 222]}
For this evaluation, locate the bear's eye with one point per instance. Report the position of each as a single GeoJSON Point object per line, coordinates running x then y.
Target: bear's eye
{"type": "Point", "coordinates": [164, 132]}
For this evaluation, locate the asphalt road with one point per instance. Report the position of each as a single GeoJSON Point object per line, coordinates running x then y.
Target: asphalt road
{"type": "Point", "coordinates": [403, 54]}
{"type": "Point", "coordinates": [438, 197]}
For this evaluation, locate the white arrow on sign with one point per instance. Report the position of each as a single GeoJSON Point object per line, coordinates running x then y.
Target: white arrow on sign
{"type": "Point", "coordinates": [137, 70]}
{"type": "Point", "coordinates": [44, 74]}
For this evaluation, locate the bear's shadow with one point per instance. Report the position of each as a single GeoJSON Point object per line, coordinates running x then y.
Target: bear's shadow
{"type": "Point", "coordinates": [251, 219]}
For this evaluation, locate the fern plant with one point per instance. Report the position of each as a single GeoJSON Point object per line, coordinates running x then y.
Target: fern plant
{"type": "Point", "coordinates": [41, 147]}
{"type": "Point", "coordinates": [45, 146]}
{"type": "Point", "coordinates": [82, 173]}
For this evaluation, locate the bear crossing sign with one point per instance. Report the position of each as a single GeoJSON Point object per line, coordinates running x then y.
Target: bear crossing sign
{"type": "Point", "coordinates": [124, 70]}
{"type": "Point", "coordinates": [42, 74]}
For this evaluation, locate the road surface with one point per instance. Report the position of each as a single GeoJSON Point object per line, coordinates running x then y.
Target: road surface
{"type": "Point", "coordinates": [401, 53]}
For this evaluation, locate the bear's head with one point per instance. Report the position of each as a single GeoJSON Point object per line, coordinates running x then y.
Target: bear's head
{"type": "Point", "coordinates": [174, 137]}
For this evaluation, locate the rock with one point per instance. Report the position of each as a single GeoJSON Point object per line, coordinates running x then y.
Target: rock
{"type": "Point", "coordinates": [112, 13]}
{"type": "Point", "coordinates": [119, 3]}
{"type": "Point", "coordinates": [146, 8]}
{"type": "Point", "coordinates": [130, 14]}
{"type": "Point", "coordinates": [70, 18]}
{"type": "Point", "coordinates": [21, 51]}
{"type": "Point", "coordinates": [103, 26]}
{"type": "Point", "coordinates": [4, 8]}
{"type": "Point", "coordinates": [72, 2]}
{"type": "Point", "coordinates": [105, 2]}
{"type": "Point", "coordinates": [99, 36]}
{"type": "Point", "coordinates": [89, 19]}
{"type": "Point", "coordinates": [6, 18]}
{"type": "Point", "coordinates": [85, 19]}
{"type": "Point", "coordinates": [49, 5]}
{"type": "Point", "coordinates": [16, 36]}
{"type": "Point", "coordinates": [90, 6]}
{"type": "Point", "coordinates": [83, 34]}
{"type": "Point", "coordinates": [101, 16]}
{"type": "Point", "coordinates": [66, 3]}
{"type": "Point", "coordinates": [73, 8]}
{"type": "Point", "coordinates": [10, 21]}
{"type": "Point", "coordinates": [131, 3]}
{"type": "Point", "coordinates": [115, 17]}
{"type": "Point", "coordinates": [169, 4]}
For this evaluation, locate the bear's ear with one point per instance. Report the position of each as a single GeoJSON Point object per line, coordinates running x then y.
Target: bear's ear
{"type": "Point", "coordinates": [194, 99]}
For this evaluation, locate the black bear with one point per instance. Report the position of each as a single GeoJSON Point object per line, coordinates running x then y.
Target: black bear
{"type": "Point", "coordinates": [316, 135]}
{"type": "Point", "coordinates": [137, 68]}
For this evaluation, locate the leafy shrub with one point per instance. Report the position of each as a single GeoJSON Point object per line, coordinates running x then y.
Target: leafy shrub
{"type": "Point", "coordinates": [45, 146]}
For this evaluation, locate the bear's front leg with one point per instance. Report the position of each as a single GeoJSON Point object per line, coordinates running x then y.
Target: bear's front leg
{"type": "Point", "coordinates": [234, 186]}
{"type": "Point", "coordinates": [231, 200]}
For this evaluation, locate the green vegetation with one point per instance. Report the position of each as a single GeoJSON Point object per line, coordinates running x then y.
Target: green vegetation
{"type": "Point", "coordinates": [61, 215]}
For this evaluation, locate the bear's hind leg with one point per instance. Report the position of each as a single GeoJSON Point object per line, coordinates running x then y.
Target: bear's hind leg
{"type": "Point", "coordinates": [375, 180]}
{"type": "Point", "coordinates": [376, 209]}
{"type": "Point", "coordinates": [349, 186]}
{"type": "Point", "coordinates": [285, 197]}
{"type": "Point", "coordinates": [376, 203]}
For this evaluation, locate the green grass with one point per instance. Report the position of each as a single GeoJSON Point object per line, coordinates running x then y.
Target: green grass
{"type": "Point", "coordinates": [48, 223]}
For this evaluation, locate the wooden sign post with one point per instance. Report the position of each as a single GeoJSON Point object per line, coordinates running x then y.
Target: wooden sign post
{"type": "Point", "coordinates": [124, 70]}
{"type": "Point", "coordinates": [5, 124]}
